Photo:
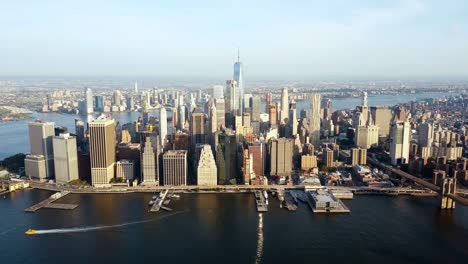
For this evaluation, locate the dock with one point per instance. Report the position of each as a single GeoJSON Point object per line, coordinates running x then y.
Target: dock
{"type": "Point", "coordinates": [322, 201]}
{"type": "Point", "coordinates": [342, 194]}
{"type": "Point", "coordinates": [49, 203]}
{"type": "Point", "coordinates": [159, 201]}
{"type": "Point", "coordinates": [261, 201]}
{"type": "Point", "coordinates": [290, 201]}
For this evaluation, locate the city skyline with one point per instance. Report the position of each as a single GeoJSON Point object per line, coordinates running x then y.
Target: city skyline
{"type": "Point", "coordinates": [388, 39]}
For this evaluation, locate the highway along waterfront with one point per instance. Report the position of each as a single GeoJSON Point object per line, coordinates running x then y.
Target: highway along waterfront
{"type": "Point", "coordinates": [226, 227]}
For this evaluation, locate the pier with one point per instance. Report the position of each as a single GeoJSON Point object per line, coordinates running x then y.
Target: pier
{"type": "Point", "coordinates": [290, 201]}
{"type": "Point", "coordinates": [261, 202]}
{"type": "Point", "coordinates": [322, 201]}
{"type": "Point", "coordinates": [49, 203]}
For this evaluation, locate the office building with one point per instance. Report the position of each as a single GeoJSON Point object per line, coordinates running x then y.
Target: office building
{"type": "Point", "coordinates": [149, 163]}
{"type": "Point", "coordinates": [40, 140]}
{"type": "Point", "coordinates": [281, 157]}
{"type": "Point", "coordinates": [207, 172]}
{"type": "Point", "coordinates": [314, 119]}
{"type": "Point", "coordinates": [366, 136]}
{"type": "Point", "coordinates": [293, 118]}
{"type": "Point", "coordinates": [272, 116]}
{"type": "Point", "coordinates": [218, 91]}
{"type": "Point", "coordinates": [232, 103]}
{"type": "Point", "coordinates": [239, 78]}
{"type": "Point", "coordinates": [35, 167]}
{"type": "Point", "coordinates": [382, 116]}
{"type": "Point", "coordinates": [125, 169]}
{"type": "Point", "coordinates": [255, 108]}
{"type": "Point", "coordinates": [102, 138]}
{"type": "Point", "coordinates": [162, 126]}
{"type": "Point", "coordinates": [284, 113]}
{"type": "Point", "coordinates": [65, 158]}
{"type": "Point", "coordinates": [181, 123]}
{"type": "Point", "coordinates": [175, 167]}
{"type": "Point", "coordinates": [258, 154]}
{"type": "Point", "coordinates": [220, 112]}
{"type": "Point", "coordinates": [88, 101]}
{"type": "Point", "coordinates": [400, 135]}
{"type": "Point", "coordinates": [197, 128]}
{"type": "Point", "coordinates": [425, 135]}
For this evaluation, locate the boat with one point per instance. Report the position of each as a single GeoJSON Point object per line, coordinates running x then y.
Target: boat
{"type": "Point", "coordinates": [154, 197]}
{"type": "Point", "coordinates": [265, 194]}
{"type": "Point", "coordinates": [175, 196]}
{"type": "Point", "coordinates": [151, 203]}
{"type": "Point", "coordinates": [30, 232]}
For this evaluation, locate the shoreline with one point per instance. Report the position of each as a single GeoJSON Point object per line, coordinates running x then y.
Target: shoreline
{"type": "Point", "coordinates": [396, 191]}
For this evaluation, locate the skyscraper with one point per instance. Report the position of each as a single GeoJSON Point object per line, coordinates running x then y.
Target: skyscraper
{"type": "Point", "coordinates": [400, 136]}
{"type": "Point", "coordinates": [40, 140]}
{"type": "Point", "coordinates": [272, 115]}
{"type": "Point", "coordinates": [257, 150]}
{"type": "Point", "coordinates": [232, 103]}
{"type": "Point", "coordinates": [425, 134]}
{"type": "Point", "coordinates": [149, 168]}
{"type": "Point", "coordinates": [181, 120]}
{"type": "Point", "coordinates": [88, 101]}
{"type": "Point", "coordinates": [125, 169]}
{"type": "Point", "coordinates": [218, 91]}
{"type": "Point", "coordinates": [162, 126]}
{"type": "Point", "coordinates": [117, 98]}
{"type": "Point", "coordinates": [314, 120]}
{"type": "Point", "coordinates": [220, 112]}
{"type": "Point", "coordinates": [293, 117]}
{"type": "Point", "coordinates": [102, 139]}
{"type": "Point", "coordinates": [99, 103]}
{"type": "Point", "coordinates": [255, 107]}
{"type": "Point", "coordinates": [207, 171]}
{"type": "Point", "coordinates": [239, 78]}
{"type": "Point", "coordinates": [65, 158]}
{"type": "Point", "coordinates": [382, 117]}
{"type": "Point", "coordinates": [284, 113]}
{"type": "Point", "coordinates": [213, 119]}
{"type": "Point", "coordinates": [197, 128]}
{"type": "Point", "coordinates": [281, 156]}
{"type": "Point", "coordinates": [175, 167]}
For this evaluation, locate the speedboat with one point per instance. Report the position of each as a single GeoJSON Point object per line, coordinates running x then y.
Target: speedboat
{"type": "Point", "coordinates": [151, 203]}
{"type": "Point", "coordinates": [30, 232]}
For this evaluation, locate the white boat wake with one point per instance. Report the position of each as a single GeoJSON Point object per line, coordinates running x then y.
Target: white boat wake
{"type": "Point", "coordinates": [95, 228]}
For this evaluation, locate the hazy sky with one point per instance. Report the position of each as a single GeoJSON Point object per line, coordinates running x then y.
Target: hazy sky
{"type": "Point", "coordinates": [199, 38]}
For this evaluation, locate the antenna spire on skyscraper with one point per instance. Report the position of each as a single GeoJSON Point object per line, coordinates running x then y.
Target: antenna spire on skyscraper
{"type": "Point", "coordinates": [238, 54]}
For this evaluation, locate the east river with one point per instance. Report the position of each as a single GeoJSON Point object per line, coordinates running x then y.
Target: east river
{"type": "Point", "coordinates": [225, 228]}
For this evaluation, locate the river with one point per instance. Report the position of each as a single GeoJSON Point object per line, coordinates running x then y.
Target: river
{"type": "Point", "coordinates": [225, 228]}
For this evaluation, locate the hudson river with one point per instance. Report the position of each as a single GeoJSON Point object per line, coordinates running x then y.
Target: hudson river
{"type": "Point", "coordinates": [225, 228]}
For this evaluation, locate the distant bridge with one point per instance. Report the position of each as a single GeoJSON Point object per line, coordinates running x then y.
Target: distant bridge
{"type": "Point", "coordinates": [448, 190]}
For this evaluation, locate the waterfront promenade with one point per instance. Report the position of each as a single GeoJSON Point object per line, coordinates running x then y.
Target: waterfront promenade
{"type": "Point", "coordinates": [232, 189]}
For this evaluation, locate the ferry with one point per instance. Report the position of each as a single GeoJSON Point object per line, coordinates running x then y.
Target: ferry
{"type": "Point", "coordinates": [30, 232]}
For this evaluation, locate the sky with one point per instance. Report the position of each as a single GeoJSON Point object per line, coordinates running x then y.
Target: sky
{"type": "Point", "coordinates": [294, 39]}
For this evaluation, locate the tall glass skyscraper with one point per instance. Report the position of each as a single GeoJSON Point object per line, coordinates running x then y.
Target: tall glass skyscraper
{"type": "Point", "coordinates": [239, 78]}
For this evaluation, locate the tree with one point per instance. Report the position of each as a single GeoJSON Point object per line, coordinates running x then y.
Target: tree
{"type": "Point", "coordinates": [13, 163]}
